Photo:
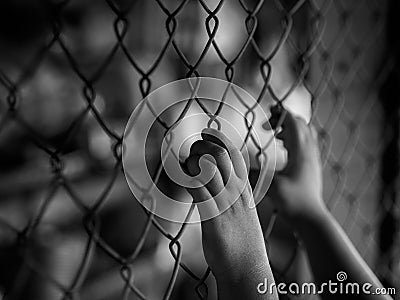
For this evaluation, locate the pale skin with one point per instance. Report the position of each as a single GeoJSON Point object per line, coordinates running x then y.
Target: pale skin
{"type": "Point", "coordinates": [297, 194]}
{"type": "Point", "coordinates": [233, 241]}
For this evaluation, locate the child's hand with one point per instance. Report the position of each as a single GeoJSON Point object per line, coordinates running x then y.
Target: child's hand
{"type": "Point", "coordinates": [297, 190]}
{"type": "Point", "coordinates": [233, 242]}
{"type": "Point", "coordinates": [297, 193]}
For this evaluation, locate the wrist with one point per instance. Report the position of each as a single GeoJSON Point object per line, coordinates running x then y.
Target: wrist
{"type": "Point", "coordinates": [257, 267]}
{"type": "Point", "coordinates": [317, 215]}
{"type": "Point", "coordinates": [238, 285]}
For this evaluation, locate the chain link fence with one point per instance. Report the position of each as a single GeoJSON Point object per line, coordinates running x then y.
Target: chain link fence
{"type": "Point", "coordinates": [72, 71]}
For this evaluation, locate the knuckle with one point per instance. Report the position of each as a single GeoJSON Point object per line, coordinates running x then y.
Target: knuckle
{"type": "Point", "coordinates": [219, 152]}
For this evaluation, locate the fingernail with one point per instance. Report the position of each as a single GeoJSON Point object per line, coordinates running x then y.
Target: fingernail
{"type": "Point", "coordinates": [267, 126]}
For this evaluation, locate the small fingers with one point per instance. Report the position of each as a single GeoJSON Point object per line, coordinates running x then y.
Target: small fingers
{"type": "Point", "coordinates": [207, 208]}
{"type": "Point", "coordinates": [213, 189]}
{"type": "Point", "coordinates": [207, 172]}
{"type": "Point", "coordinates": [293, 132]}
{"type": "Point", "coordinates": [192, 165]}
{"type": "Point", "coordinates": [214, 160]}
{"type": "Point", "coordinates": [289, 120]}
{"type": "Point", "coordinates": [288, 124]}
{"type": "Point", "coordinates": [220, 154]}
{"type": "Point", "coordinates": [220, 139]}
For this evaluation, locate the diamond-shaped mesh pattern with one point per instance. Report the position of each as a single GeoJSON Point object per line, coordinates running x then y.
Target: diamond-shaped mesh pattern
{"type": "Point", "coordinates": [72, 71]}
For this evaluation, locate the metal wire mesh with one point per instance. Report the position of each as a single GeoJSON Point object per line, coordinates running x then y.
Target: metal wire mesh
{"type": "Point", "coordinates": [72, 71]}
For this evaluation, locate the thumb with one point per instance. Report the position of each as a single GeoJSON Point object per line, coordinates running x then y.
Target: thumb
{"type": "Point", "coordinates": [291, 135]}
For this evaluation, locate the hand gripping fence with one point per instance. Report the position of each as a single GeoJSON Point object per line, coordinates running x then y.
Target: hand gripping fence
{"type": "Point", "coordinates": [70, 74]}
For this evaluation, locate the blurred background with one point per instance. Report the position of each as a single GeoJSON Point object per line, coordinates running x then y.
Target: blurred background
{"type": "Point", "coordinates": [71, 73]}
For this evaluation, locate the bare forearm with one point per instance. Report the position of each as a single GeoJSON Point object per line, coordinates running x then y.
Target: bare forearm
{"type": "Point", "coordinates": [330, 251]}
{"type": "Point", "coordinates": [245, 286]}
{"type": "Point", "coordinates": [297, 193]}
